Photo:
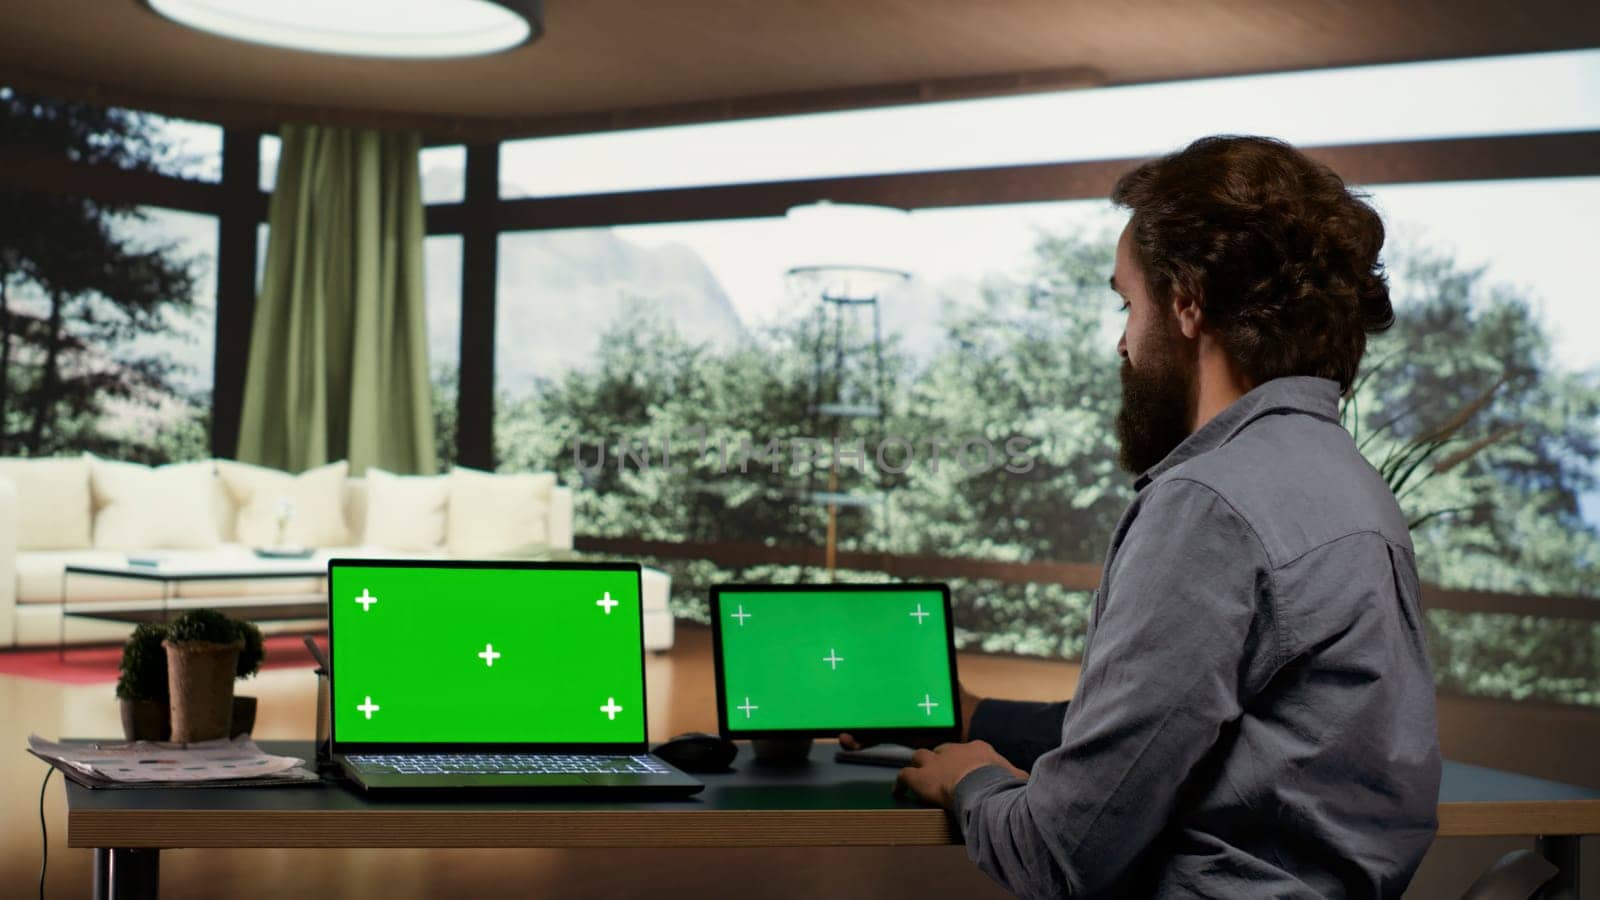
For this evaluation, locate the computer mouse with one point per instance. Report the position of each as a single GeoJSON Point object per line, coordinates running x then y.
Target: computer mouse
{"type": "Point", "coordinates": [697, 752]}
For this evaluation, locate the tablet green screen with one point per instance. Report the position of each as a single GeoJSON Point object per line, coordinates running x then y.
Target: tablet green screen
{"type": "Point", "coordinates": [831, 659]}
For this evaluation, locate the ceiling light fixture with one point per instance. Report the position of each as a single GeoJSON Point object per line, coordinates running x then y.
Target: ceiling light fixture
{"type": "Point", "coordinates": [418, 29]}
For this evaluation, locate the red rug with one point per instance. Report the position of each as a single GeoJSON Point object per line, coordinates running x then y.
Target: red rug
{"type": "Point", "coordinates": [98, 664]}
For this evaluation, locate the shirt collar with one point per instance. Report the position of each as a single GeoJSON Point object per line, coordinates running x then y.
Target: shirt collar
{"type": "Point", "coordinates": [1294, 394]}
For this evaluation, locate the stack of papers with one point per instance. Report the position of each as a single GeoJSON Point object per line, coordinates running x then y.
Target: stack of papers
{"type": "Point", "coordinates": [219, 763]}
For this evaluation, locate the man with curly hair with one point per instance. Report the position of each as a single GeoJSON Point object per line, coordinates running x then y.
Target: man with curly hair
{"type": "Point", "coordinates": [1255, 713]}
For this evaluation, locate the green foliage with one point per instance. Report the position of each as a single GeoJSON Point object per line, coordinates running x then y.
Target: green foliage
{"type": "Point", "coordinates": [214, 627]}
{"type": "Point", "coordinates": [445, 386]}
{"type": "Point", "coordinates": [206, 625]}
{"type": "Point", "coordinates": [253, 653]}
{"type": "Point", "coordinates": [144, 659]}
{"type": "Point", "coordinates": [1029, 363]}
{"type": "Point", "coordinates": [651, 386]}
{"type": "Point", "coordinates": [1468, 369]}
{"type": "Point", "coordinates": [76, 293]}
{"type": "Point", "coordinates": [1044, 620]}
{"type": "Point", "coordinates": [1488, 445]}
{"type": "Point", "coordinates": [1515, 657]}
{"type": "Point", "coordinates": [143, 673]}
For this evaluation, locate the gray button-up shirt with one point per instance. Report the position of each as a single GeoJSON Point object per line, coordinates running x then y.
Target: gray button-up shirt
{"type": "Point", "coordinates": [1254, 716]}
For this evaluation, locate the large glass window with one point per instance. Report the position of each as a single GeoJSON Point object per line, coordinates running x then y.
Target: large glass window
{"type": "Point", "coordinates": [444, 173]}
{"type": "Point", "coordinates": [271, 147]}
{"type": "Point", "coordinates": [191, 149]}
{"type": "Point", "coordinates": [1492, 304]}
{"type": "Point", "coordinates": [107, 310]}
{"type": "Point", "coordinates": [175, 421]}
{"type": "Point", "coordinates": [716, 383]}
{"type": "Point", "coordinates": [1505, 95]}
{"type": "Point", "coordinates": [692, 333]}
{"type": "Point", "coordinates": [132, 373]}
{"type": "Point", "coordinates": [442, 259]}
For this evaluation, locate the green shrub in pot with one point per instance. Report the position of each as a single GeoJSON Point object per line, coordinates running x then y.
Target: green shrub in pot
{"type": "Point", "coordinates": [142, 685]}
{"type": "Point", "coordinates": [203, 648]}
{"type": "Point", "coordinates": [250, 657]}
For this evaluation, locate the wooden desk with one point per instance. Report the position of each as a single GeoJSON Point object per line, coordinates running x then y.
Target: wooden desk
{"type": "Point", "coordinates": [824, 804]}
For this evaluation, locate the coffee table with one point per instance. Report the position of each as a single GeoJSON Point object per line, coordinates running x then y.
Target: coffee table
{"type": "Point", "coordinates": [172, 575]}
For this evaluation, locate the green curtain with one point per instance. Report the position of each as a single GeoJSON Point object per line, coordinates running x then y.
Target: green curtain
{"type": "Point", "coordinates": [339, 350]}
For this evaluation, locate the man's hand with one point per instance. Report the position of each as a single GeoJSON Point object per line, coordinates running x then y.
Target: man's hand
{"type": "Point", "coordinates": [933, 774]}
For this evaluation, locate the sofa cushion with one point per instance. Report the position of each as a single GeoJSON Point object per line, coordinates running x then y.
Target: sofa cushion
{"type": "Point", "coordinates": [405, 512]}
{"type": "Point", "coordinates": [140, 508]}
{"type": "Point", "coordinates": [224, 509]}
{"type": "Point", "coordinates": [355, 506]}
{"type": "Point", "coordinates": [315, 500]}
{"type": "Point", "coordinates": [491, 514]}
{"type": "Point", "coordinates": [53, 503]}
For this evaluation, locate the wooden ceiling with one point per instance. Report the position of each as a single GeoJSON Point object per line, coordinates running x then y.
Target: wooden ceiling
{"type": "Point", "coordinates": [627, 63]}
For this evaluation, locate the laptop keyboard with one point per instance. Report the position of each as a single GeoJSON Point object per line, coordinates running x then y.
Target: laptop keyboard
{"type": "Point", "coordinates": [505, 764]}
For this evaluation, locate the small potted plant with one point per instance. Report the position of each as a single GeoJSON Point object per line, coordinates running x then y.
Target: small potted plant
{"type": "Point", "coordinates": [203, 648]}
{"type": "Point", "coordinates": [250, 657]}
{"type": "Point", "coordinates": [142, 685]}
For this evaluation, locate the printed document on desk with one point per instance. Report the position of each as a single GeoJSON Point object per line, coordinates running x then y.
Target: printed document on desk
{"type": "Point", "coordinates": [151, 761]}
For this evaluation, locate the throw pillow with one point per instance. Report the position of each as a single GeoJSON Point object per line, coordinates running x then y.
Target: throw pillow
{"type": "Point", "coordinates": [313, 499]}
{"type": "Point", "coordinates": [406, 512]}
{"type": "Point", "coordinates": [53, 507]}
{"type": "Point", "coordinates": [492, 514]}
{"type": "Point", "coordinates": [137, 507]}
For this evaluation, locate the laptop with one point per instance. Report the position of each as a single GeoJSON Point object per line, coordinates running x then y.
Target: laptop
{"type": "Point", "coordinates": [814, 660]}
{"type": "Point", "coordinates": [507, 675]}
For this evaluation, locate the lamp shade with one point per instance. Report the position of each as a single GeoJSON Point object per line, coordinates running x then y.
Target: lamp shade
{"type": "Point", "coordinates": [848, 235]}
{"type": "Point", "coordinates": [420, 29]}
{"type": "Point", "coordinates": [847, 249]}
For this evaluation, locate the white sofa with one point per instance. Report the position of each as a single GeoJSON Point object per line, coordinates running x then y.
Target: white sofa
{"type": "Point", "coordinates": [32, 561]}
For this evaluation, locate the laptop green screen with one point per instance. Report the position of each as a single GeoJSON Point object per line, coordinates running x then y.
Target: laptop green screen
{"type": "Point", "coordinates": [485, 654]}
{"type": "Point", "coordinates": [834, 659]}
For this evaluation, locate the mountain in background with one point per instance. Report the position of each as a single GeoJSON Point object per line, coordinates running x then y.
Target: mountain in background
{"type": "Point", "coordinates": [559, 291]}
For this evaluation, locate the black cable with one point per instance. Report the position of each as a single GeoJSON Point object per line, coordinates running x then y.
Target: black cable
{"type": "Point", "coordinates": [44, 836]}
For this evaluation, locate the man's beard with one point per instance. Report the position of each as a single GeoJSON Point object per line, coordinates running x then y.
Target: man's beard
{"type": "Point", "coordinates": [1154, 418]}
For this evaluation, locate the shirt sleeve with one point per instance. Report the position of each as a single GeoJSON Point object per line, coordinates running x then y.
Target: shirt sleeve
{"type": "Point", "coordinates": [1185, 625]}
{"type": "Point", "coordinates": [1020, 730]}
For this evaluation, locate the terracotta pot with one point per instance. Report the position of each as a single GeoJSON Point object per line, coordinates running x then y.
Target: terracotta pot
{"type": "Point", "coordinates": [244, 716]}
{"type": "Point", "coordinates": [200, 681]}
{"type": "Point", "coordinates": [146, 720]}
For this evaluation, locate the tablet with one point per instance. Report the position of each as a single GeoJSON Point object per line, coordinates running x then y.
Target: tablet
{"type": "Point", "coordinates": [814, 660]}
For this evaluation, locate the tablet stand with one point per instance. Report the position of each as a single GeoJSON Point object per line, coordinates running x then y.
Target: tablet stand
{"type": "Point", "coordinates": [781, 751]}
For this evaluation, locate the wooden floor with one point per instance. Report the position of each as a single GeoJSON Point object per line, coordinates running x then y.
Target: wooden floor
{"type": "Point", "coordinates": [681, 698]}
